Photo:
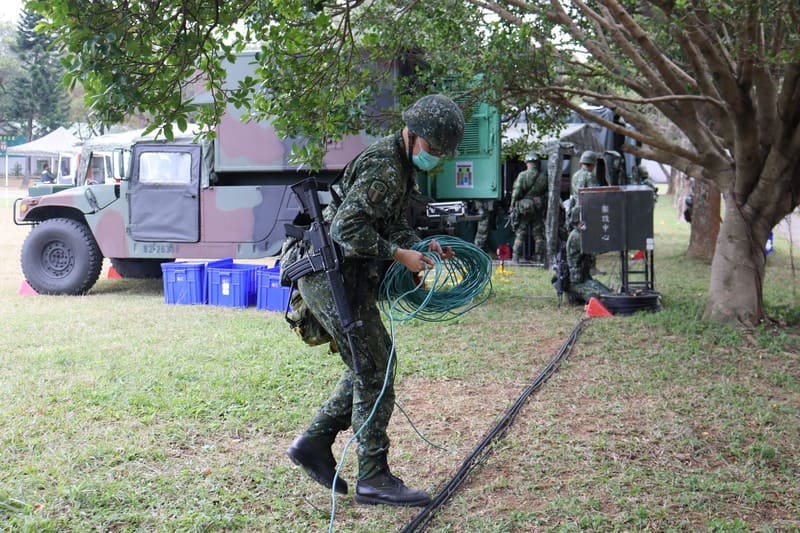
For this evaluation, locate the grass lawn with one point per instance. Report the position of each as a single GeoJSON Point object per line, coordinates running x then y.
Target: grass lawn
{"type": "Point", "coordinates": [123, 413]}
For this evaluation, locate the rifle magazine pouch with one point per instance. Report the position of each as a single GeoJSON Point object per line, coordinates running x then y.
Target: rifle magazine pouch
{"type": "Point", "coordinates": [525, 207]}
{"type": "Point", "coordinates": [305, 324]}
{"type": "Point", "coordinates": [291, 252]}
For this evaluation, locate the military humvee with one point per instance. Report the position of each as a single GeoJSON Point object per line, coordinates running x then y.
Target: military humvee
{"type": "Point", "coordinates": [226, 198]}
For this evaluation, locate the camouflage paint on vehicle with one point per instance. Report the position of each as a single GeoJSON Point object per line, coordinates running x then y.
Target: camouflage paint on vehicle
{"type": "Point", "coordinates": [183, 199]}
{"type": "Point", "coordinates": [234, 220]}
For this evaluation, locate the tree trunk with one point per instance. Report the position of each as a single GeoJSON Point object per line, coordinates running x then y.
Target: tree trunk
{"type": "Point", "coordinates": [682, 187]}
{"type": "Point", "coordinates": [672, 181]}
{"type": "Point", "coordinates": [737, 271]}
{"type": "Point", "coordinates": [705, 220]}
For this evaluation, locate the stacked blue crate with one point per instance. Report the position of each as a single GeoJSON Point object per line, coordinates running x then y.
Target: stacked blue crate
{"type": "Point", "coordinates": [186, 282]}
{"type": "Point", "coordinates": [233, 285]}
{"type": "Point", "coordinates": [271, 295]}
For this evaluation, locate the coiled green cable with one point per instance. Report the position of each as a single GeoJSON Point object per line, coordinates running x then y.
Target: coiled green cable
{"type": "Point", "coordinates": [450, 289]}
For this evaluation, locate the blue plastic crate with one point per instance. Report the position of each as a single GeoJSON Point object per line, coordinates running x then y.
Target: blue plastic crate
{"type": "Point", "coordinates": [185, 282]}
{"type": "Point", "coordinates": [233, 285]}
{"type": "Point", "coordinates": [271, 296]}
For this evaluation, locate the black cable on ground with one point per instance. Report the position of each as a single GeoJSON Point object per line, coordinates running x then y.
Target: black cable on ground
{"type": "Point", "coordinates": [481, 452]}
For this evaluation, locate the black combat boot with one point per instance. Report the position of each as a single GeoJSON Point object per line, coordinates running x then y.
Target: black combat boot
{"type": "Point", "coordinates": [387, 489]}
{"type": "Point", "coordinates": [315, 456]}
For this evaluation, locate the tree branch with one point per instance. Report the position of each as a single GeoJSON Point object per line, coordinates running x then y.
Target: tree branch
{"type": "Point", "coordinates": [602, 55]}
{"type": "Point", "coordinates": [721, 72]}
{"type": "Point", "coordinates": [651, 140]}
{"type": "Point", "coordinates": [675, 161]}
{"type": "Point", "coordinates": [675, 78]}
{"type": "Point", "coordinates": [502, 13]}
{"type": "Point", "coordinates": [653, 100]}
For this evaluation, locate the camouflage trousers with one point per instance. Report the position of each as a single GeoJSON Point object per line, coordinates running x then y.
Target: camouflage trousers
{"type": "Point", "coordinates": [534, 227]}
{"type": "Point", "coordinates": [580, 293]}
{"type": "Point", "coordinates": [355, 396]}
{"type": "Point", "coordinates": [482, 231]}
{"type": "Point", "coordinates": [581, 285]}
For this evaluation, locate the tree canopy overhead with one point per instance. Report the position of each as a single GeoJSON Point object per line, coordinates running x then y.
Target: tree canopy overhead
{"type": "Point", "coordinates": [726, 73]}
{"type": "Point", "coordinates": [31, 93]}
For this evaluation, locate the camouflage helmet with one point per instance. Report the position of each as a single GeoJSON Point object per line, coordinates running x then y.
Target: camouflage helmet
{"type": "Point", "coordinates": [437, 119]}
{"type": "Point", "coordinates": [588, 157]}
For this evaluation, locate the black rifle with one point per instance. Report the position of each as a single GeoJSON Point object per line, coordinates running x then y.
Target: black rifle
{"type": "Point", "coordinates": [561, 278]}
{"type": "Point", "coordinates": [513, 219]}
{"type": "Point", "coordinates": [322, 255]}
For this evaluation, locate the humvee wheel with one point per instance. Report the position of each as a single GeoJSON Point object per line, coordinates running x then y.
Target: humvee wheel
{"type": "Point", "coordinates": [60, 256]}
{"type": "Point", "coordinates": [139, 268]}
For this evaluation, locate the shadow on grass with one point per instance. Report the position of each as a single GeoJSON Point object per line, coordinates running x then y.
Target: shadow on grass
{"type": "Point", "coordinates": [139, 287]}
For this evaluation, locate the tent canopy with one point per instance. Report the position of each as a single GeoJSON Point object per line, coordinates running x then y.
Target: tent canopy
{"type": "Point", "coordinates": [53, 144]}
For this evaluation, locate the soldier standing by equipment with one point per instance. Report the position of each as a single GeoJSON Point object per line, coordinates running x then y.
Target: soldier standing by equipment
{"type": "Point", "coordinates": [529, 202]}
{"type": "Point", "coordinates": [370, 227]}
{"type": "Point", "coordinates": [486, 211]}
{"type": "Point", "coordinates": [584, 177]}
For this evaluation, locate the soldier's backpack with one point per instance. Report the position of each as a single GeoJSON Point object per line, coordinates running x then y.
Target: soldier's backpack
{"type": "Point", "coordinates": [300, 318]}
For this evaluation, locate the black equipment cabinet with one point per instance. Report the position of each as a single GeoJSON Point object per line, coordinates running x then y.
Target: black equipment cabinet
{"type": "Point", "coordinates": [620, 219]}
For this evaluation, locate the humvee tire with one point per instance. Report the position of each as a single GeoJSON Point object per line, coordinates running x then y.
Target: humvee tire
{"type": "Point", "coordinates": [60, 256]}
{"type": "Point", "coordinates": [139, 268]}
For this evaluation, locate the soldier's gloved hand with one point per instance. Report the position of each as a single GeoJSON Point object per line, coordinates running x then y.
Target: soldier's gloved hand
{"type": "Point", "coordinates": [413, 260]}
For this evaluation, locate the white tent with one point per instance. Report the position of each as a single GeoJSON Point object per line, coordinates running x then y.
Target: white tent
{"type": "Point", "coordinates": [53, 144]}
{"type": "Point", "coordinates": [58, 144]}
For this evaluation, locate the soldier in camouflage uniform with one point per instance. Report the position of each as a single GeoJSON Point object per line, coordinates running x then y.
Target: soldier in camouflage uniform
{"type": "Point", "coordinates": [584, 177]}
{"type": "Point", "coordinates": [642, 177]}
{"type": "Point", "coordinates": [370, 227]}
{"type": "Point", "coordinates": [529, 200]}
{"type": "Point", "coordinates": [581, 285]}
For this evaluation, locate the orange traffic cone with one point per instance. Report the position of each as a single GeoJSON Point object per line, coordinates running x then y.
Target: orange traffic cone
{"type": "Point", "coordinates": [596, 308]}
{"type": "Point", "coordinates": [25, 288]}
{"type": "Point", "coordinates": [113, 274]}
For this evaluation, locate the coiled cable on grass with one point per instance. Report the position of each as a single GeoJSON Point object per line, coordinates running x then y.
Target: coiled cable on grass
{"type": "Point", "coordinates": [449, 289]}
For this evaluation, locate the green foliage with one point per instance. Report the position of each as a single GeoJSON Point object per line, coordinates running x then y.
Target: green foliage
{"type": "Point", "coordinates": [10, 65]}
{"type": "Point", "coordinates": [320, 67]}
{"type": "Point", "coordinates": [33, 94]}
{"type": "Point", "coordinates": [321, 64]}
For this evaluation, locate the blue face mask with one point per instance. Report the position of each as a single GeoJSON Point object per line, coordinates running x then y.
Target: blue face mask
{"type": "Point", "coordinates": [425, 161]}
